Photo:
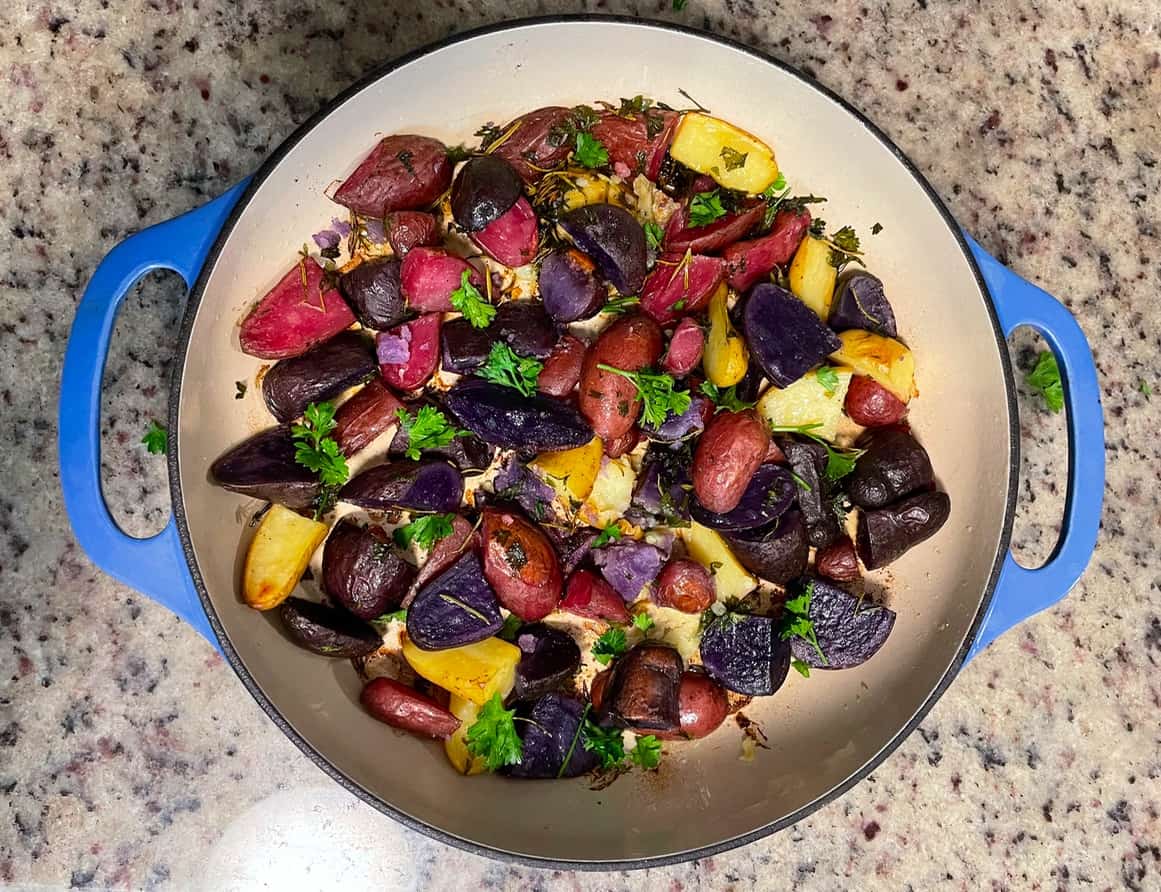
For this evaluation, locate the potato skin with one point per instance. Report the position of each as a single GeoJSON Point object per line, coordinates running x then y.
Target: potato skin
{"type": "Point", "coordinates": [521, 565]}
{"type": "Point", "coordinates": [703, 705]}
{"type": "Point", "coordinates": [533, 143]}
{"type": "Point", "coordinates": [685, 348]}
{"type": "Point", "coordinates": [838, 561]}
{"type": "Point", "coordinates": [562, 368]}
{"type": "Point", "coordinates": [402, 707]}
{"type": "Point", "coordinates": [609, 401]}
{"type": "Point", "coordinates": [411, 229]}
{"type": "Point", "coordinates": [684, 585]}
{"type": "Point", "coordinates": [403, 172]}
{"type": "Point", "coordinates": [729, 452]}
{"type": "Point", "coordinates": [871, 404]}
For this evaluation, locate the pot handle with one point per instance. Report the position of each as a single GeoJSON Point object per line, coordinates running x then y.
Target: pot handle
{"type": "Point", "coordinates": [1021, 592]}
{"type": "Point", "coordinates": [156, 566]}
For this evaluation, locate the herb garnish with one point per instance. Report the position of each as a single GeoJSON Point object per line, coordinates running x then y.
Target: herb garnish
{"type": "Point", "coordinates": [802, 484]}
{"type": "Point", "coordinates": [456, 154]}
{"type": "Point", "coordinates": [725, 397]}
{"type": "Point", "coordinates": [239, 389]}
{"type": "Point", "coordinates": [818, 228]}
{"type": "Point", "coordinates": [1145, 388]}
{"type": "Point", "coordinates": [844, 248]}
{"type": "Point", "coordinates": [658, 397]}
{"type": "Point", "coordinates": [876, 228]}
{"type": "Point", "coordinates": [653, 234]}
{"type": "Point", "coordinates": [828, 378]}
{"type": "Point", "coordinates": [1044, 379]}
{"type": "Point", "coordinates": [506, 367]}
{"type": "Point", "coordinates": [156, 439]}
{"type": "Point", "coordinates": [643, 622]}
{"type": "Point", "coordinates": [590, 152]}
{"type": "Point", "coordinates": [635, 106]}
{"type": "Point", "coordinates": [733, 158]}
{"type": "Point", "coordinates": [610, 645]}
{"type": "Point", "coordinates": [493, 736]}
{"type": "Point", "coordinates": [424, 531]}
{"type": "Point", "coordinates": [705, 207]}
{"type": "Point", "coordinates": [796, 621]}
{"type": "Point", "coordinates": [428, 429]}
{"type": "Point", "coordinates": [647, 752]}
{"type": "Point", "coordinates": [399, 615]}
{"type": "Point", "coordinates": [611, 533]}
{"type": "Point", "coordinates": [679, 5]}
{"type": "Point", "coordinates": [469, 301]}
{"type": "Point", "coordinates": [316, 450]}
{"type": "Point", "coordinates": [839, 462]}
{"type": "Point", "coordinates": [608, 744]}
{"type": "Point", "coordinates": [800, 667]}
{"type": "Point", "coordinates": [619, 305]}
{"type": "Point", "coordinates": [512, 624]}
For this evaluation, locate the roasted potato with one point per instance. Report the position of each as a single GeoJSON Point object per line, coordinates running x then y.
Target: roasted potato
{"type": "Point", "coordinates": [734, 158]}
{"type": "Point", "coordinates": [278, 556]}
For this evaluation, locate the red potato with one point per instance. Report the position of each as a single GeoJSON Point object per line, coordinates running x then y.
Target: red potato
{"type": "Point", "coordinates": [513, 237]}
{"type": "Point", "coordinates": [365, 416]}
{"type": "Point", "coordinates": [609, 401]}
{"type": "Point", "coordinates": [684, 585]}
{"type": "Point", "coordinates": [838, 561]}
{"type": "Point", "coordinates": [402, 707]}
{"type": "Point", "coordinates": [774, 454]}
{"type": "Point", "coordinates": [680, 237]}
{"type": "Point", "coordinates": [730, 450]}
{"type": "Point", "coordinates": [403, 172]}
{"type": "Point", "coordinates": [445, 553]}
{"type": "Point", "coordinates": [870, 404]}
{"type": "Point", "coordinates": [619, 446]}
{"type": "Point", "coordinates": [703, 705]}
{"type": "Point", "coordinates": [590, 596]}
{"type": "Point", "coordinates": [293, 317]}
{"type": "Point", "coordinates": [562, 368]}
{"type": "Point", "coordinates": [521, 565]}
{"type": "Point", "coordinates": [638, 142]}
{"type": "Point", "coordinates": [536, 140]}
{"type": "Point", "coordinates": [428, 277]}
{"type": "Point", "coordinates": [411, 229]}
{"type": "Point", "coordinates": [422, 335]}
{"type": "Point", "coordinates": [685, 348]}
{"type": "Point", "coordinates": [679, 287]}
{"type": "Point", "coordinates": [598, 687]}
{"type": "Point", "coordinates": [751, 261]}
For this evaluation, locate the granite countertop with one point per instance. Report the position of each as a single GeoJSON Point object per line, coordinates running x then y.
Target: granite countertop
{"type": "Point", "coordinates": [131, 757]}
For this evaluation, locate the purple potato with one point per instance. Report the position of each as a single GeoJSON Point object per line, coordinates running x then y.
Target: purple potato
{"type": "Point", "coordinates": [850, 630]}
{"type": "Point", "coordinates": [516, 482]}
{"type": "Point", "coordinates": [613, 239]}
{"type": "Point", "coordinates": [861, 303]}
{"type": "Point", "coordinates": [745, 654]}
{"type": "Point", "coordinates": [815, 492]}
{"type": "Point", "coordinates": [363, 572]}
{"type": "Point", "coordinates": [327, 630]}
{"type": "Point", "coordinates": [504, 417]}
{"type": "Point", "coordinates": [777, 553]}
{"type": "Point", "coordinates": [525, 327]}
{"type": "Point", "coordinates": [785, 337]}
{"type": "Point", "coordinates": [483, 190]}
{"type": "Point", "coordinates": [458, 607]}
{"type": "Point", "coordinates": [551, 734]}
{"type": "Point", "coordinates": [885, 534]}
{"type": "Point", "coordinates": [894, 465]}
{"type": "Point", "coordinates": [464, 348]}
{"type": "Point", "coordinates": [568, 287]}
{"type": "Point", "coordinates": [263, 467]}
{"type": "Point", "coordinates": [372, 289]}
{"type": "Point", "coordinates": [628, 566]}
{"type": "Point", "coordinates": [662, 494]}
{"type": "Point", "coordinates": [417, 486]}
{"type": "Point", "coordinates": [571, 549]}
{"type": "Point", "coordinates": [643, 693]}
{"type": "Point", "coordinates": [688, 424]}
{"type": "Point", "coordinates": [318, 374]}
{"type": "Point", "coordinates": [770, 492]}
{"type": "Point", "coordinates": [548, 658]}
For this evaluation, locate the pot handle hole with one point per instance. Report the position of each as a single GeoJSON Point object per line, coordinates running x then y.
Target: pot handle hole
{"type": "Point", "coordinates": [1021, 592]}
{"type": "Point", "coordinates": [155, 566]}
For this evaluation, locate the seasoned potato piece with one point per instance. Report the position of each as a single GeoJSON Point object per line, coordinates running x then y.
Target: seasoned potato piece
{"type": "Point", "coordinates": [734, 158]}
{"type": "Point", "coordinates": [278, 556]}
{"type": "Point", "coordinates": [571, 472]}
{"type": "Point", "coordinates": [812, 276]}
{"type": "Point", "coordinates": [883, 359]}
{"type": "Point", "coordinates": [725, 359]}
{"type": "Point", "coordinates": [475, 671]}
{"type": "Point", "coordinates": [456, 746]}
{"type": "Point", "coordinates": [611, 494]}
{"type": "Point", "coordinates": [711, 551]}
{"type": "Point", "coordinates": [807, 401]}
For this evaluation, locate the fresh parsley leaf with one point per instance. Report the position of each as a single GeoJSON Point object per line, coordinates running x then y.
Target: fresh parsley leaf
{"type": "Point", "coordinates": [493, 736]}
{"type": "Point", "coordinates": [611, 533]}
{"type": "Point", "coordinates": [590, 152]}
{"type": "Point", "coordinates": [647, 752]}
{"type": "Point", "coordinates": [512, 624]}
{"type": "Point", "coordinates": [608, 744]}
{"type": "Point", "coordinates": [424, 531]}
{"type": "Point", "coordinates": [619, 305]}
{"type": "Point", "coordinates": [1045, 380]}
{"type": "Point", "coordinates": [800, 667]}
{"type": "Point", "coordinates": [774, 188]}
{"type": "Point", "coordinates": [239, 389]}
{"type": "Point", "coordinates": [844, 248]}
{"type": "Point", "coordinates": [725, 397]}
{"type": "Point", "coordinates": [315, 449]}
{"type": "Point", "coordinates": [610, 645]}
{"type": "Point", "coordinates": [456, 154]}
{"type": "Point", "coordinates": [658, 397]}
{"type": "Point", "coordinates": [876, 229]}
{"type": "Point", "coordinates": [399, 615]}
{"type": "Point", "coordinates": [796, 621]}
{"type": "Point", "coordinates": [705, 207]}
{"type": "Point", "coordinates": [427, 429]}
{"type": "Point", "coordinates": [828, 378]}
{"type": "Point", "coordinates": [733, 159]}
{"type": "Point", "coordinates": [839, 462]}
{"type": "Point", "coordinates": [653, 234]}
{"type": "Point", "coordinates": [468, 300]}
{"type": "Point", "coordinates": [505, 367]}
{"type": "Point", "coordinates": [643, 622]}
{"type": "Point", "coordinates": [156, 439]}
{"type": "Point", "coordinates": [635, 106]}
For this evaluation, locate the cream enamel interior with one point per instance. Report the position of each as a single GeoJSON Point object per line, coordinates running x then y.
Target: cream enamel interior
{"type": "Point", "coordinates": [821, 730]}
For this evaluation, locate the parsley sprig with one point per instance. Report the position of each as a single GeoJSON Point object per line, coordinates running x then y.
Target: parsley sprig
{"type": "Point", "coordinates": [845, 248]}
{"type": "Point", "coordinates": [647, 752]}
{"type": "Point", "coordinates": [590, 152]}
{"type": "Point", "coordinates": [705, 207]}
{"type": "Point", "coordinates": [156, 439]}
{"type": "Point", "coordinates": [796, 622]}
{"type": "Point", "coordinates": [1044, 379]}
{"type": "Point", "coordinates": [839, 462]}
{"type": "Point", "coordinates": [725, 397]}
{"type": "Point", "coordinates": [608, 745]}
{"type": "Point", "coordinates": [658, 397]}
{"type": "Point", "coordinates": [828, 378]}
{"type": "Point", "coordinates": [610, 645]}
{"type": "Point", "coordinates": [608, 534]}
{"type": "Point", "coordinates": [619, 305]}
{"type": "Point", "coordinates": [653, 234]}
{"type": "Point", "coordinates": [493, 738]}
{"type": "Point", "coordinates": [426, 429]}
{"type": "Point", "coordinates": [643, 622]}
{"type": "Point", "coordinates": [468, 300]}
{"type": "Point", "coordinates": [316, 450]}
{"type": "Point", "coordinates": [504, 366]}
{"type": "Point", "coordinates": [425, 531]}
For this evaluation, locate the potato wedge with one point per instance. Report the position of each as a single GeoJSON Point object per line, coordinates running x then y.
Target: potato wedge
{"type": "Point", "coordinates": [475, 671]}
{"type": "Point", "coordinates": [611, 493]}
{"type": "Point", "coordinates": [725, 359]}
{"type": "Point", "coordinates": [734, 158]}
{"type": "Point", "coordinates": [883, 359]}
{"type": "Point", "coordinates": [456, 746]}
{"type": "Point", "coordinates": [711, 551]}
{"type": "Point", "coordinates": [278, 556]}
{"type": "Point", "coordinates": [812, 276]}
{"type": "Point", "coordinates": [807, 401]}
{"type": "Point", "coordinates": [571, 472]}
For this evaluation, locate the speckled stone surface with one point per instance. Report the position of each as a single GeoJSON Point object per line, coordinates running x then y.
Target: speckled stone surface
{"type": "Point", "coordinates": [130, 757]}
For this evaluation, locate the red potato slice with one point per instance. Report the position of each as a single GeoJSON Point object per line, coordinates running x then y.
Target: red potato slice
{"type": "Point", "coordinates": [562, 368]}
{"type": "Point", "coordinates": [681, 237]}
{"type": "Point", "coordinates": [588, 595]}
{"type": "Point", "coordinates": [295, 315]}
{"type": "Point", "coordinates": [430, 275]}
{"type": "Point", "coordinates": [513, 237]}
{"type": "Point", "coordinates": [422, 336]}
{"type": "Point", "coordinates": [365, 416]}
{"type": "Point", "coordinates": [677, 287]}
{"type": "Point", "coordinates": [403, 172]}
{"type": "Point", "coordinates": [685, 348]}
{"type": "Point", "coordinates": [628, 140]}
{"type": "Point", "coordinates": [521, 565]}
{"type": "Point", "coordinates": [609, 401]}
{"type": "Point", "coordinates": [532, 147]}
{"type": "Point", "coordinates": [411, 229]}
{"type": "Point", "coordinates": [751, 261]}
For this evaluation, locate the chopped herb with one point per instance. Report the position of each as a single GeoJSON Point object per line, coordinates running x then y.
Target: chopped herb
{"type": "Point", "coordinates": [705, 207]}
{"type": "Point", "coordinates": [575, 737]}
{"type": "Point", "coordinates": [399, 615]}
{"type": "Point", "coordinates": [488, 134]}
{"type": "Point", "coordinates": [619, 305]}
{"type": "Point", "coordinates": [818, 228]}
{"type": "Point", "coordinates": [844, 248]}
{"type": "Point", "coordinates": [1145, 388]}
{"type": "Point", "coordinates": [239, 389]}
{"type": "Point", "coordinates": [610, 645]}
{"type": "Point", "coordinates": [647, 752]}
{"type": "Point", "coordinates": [316, 450]}
{"type": "Point", "coordinates": [425, 531]}
{"type": "Point", "coordinates": [714, 567]}
{"type": "Point", "coordinates": [1045, 380]}
{"type": "Point", "coordinates": [800, 667]}
{"type": "Point", "coordinates": [156, 439]}
{"type": "Point", "coordinates": [456, 154]}
{"type": "Point", "coordinates": [505, 367]}
{"type": "Point", "coordinates": [796, 621]}
{"type": "Point", "coordinates": [643, 622]}
{"type": "Point", "coordinates": [657, 394]}
{"type": "Point", "coordinates": [469, 301]}
{"type": "Point", "coordinates": [876, 229]}
{"type": "Point", "coordinates": [590, 152]}
{"type": "Point", "coordinates": [405, 159]}
{"type": "Point", "coordinates": [493, 736]}
{"type": "Point", "coordinates": [802, 484]}
{"type": "Point", "coordinates": [512, 624]}
{"type": "Point", "coordinates": [635, 106]}
{"type": "Point", "coordinates": [464, 606]}
{"type": "Point", "coordinates": [725, 397]}
{"type": "Point", "coordinates": [828, 378]}
{"type": "Point", "coordinates": [608, 744]}
{"type": "Point", "coordinates": [779, 185]}
{"type": "Point", "coordinates": [653, 234]}
{"type": "Point", "coordinates": [839, 462]}
{"type": "Point", "coordinates": [611, 533]}
{"type": "Point", "coordinates": [584, 117]}
{"type": "Point", "coordinates": [841, 505]}
{"type": "Point", "coordinates": [733, 158]}
{"type": "Point", "coordinates": [427, 429]}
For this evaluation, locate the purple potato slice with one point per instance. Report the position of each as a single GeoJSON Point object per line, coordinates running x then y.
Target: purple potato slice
{"type": "Point", "coordinates": [745, 654]}
{"type": "Point", "coordinates": [326, 630]}
{"type": "Point", "coordinates": [458, 607]}
{"type": "Point", "coordinates": [374, 293]}
{"type": "Point", "coordinates": [785, 337]}
{"type": "Point", "coordinates": [886, 534]}
{"type": "Point", "coordinates": [506, 418]}
{"type": "Point", "coordinates": [433, 486]}
{"type": "Point", "coordinates": [551, 734]}
{"type": "Point", "coordinates": [548, 658]}
{"type": "Point", "coordinates": [484, 189]}
{"type": "Point", "coordinates": [613, 239]}
{"type": "Point", "coordinates": [777, 553]}
{"type": "Point", "coordinates": [770, 492]}
{"type": "Point", "coordinates": [860, 302]}
{"type": "Point", "coordinates": [319, 374]}
{"type": "Point", "coordinates": [850, 630]}
{"type": "Point", "coordinates": [263, 467]}
{"type": "Point", "coordinates": [894, 465]}
{"type": "Point", "coordinates": [644, 691]}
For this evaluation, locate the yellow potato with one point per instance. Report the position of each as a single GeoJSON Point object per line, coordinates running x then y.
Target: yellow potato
{"type": "Point", "coordinates": [475, 671]}
{"type": "Point", "coordinates": [806, 401]}
{"type": "Point", "coordinates": [734, 158]}
{"type": "Point", "coordinates": [881, 358]}
{"type": "Point", "coordinates": [456, 746]}
{"type": "Point", "coordinates": [611, 493]}
{"type": "Point", "coordinates": [725, 358]}
{"type": "Point", "coordinates": [594, 190]}
{"type": "Point", "coordinates": [573, 471]}
{"type": "Point", "coordinates": [278, 556]}
{"type": "Point", "coordinates": [711, 551]}
{"type": "Point", "coordinates": [812, 276]}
